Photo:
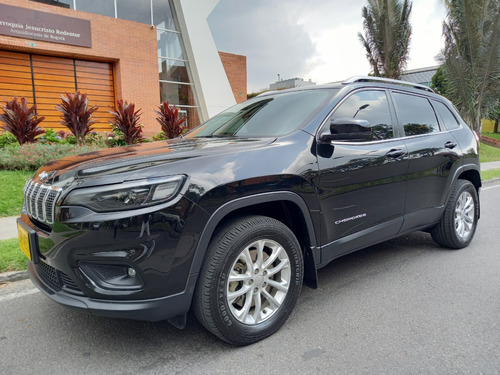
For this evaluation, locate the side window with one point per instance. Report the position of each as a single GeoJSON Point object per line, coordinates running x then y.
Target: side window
{"type": "Point", "coordinates": [415, 114]}
{"type": "Point", "coordinates": [448, 119]}
{"type": "Point", "coordinates": [371, 106]}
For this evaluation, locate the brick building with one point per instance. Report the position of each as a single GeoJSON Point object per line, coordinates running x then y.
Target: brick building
{"type": "Point", "coordinates": [142, 51]}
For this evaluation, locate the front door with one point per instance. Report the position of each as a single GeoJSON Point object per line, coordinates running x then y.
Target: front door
{"type": "Point", "coordinates": [362, 181]}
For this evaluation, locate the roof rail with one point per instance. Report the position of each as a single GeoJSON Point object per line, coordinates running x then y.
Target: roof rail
{"type": "Point", "coordinates": [386, 80]}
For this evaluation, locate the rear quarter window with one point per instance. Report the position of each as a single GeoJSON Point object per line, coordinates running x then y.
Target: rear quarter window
{"type": "Point", "coordinates": [446, 117]}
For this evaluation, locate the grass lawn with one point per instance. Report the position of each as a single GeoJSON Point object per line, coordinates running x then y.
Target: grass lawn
{"type": "Point", "coordinates": [11, 191]}
{"type": "Point", "coordinates": [491, 174]}
{"type": "Point", "coordinates": [488, 153]}
{"type": "Point", "coordinates": [11, 256]}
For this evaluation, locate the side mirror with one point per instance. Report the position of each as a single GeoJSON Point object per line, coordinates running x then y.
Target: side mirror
{"type": "Point", "coordinates": [348, 129]}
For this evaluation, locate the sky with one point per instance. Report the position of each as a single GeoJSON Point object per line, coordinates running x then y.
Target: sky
{"type": "Point", "coordinates": [315, 40]}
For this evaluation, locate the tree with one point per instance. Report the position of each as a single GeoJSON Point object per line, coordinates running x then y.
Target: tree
{"type": "Point", "coordinates": [387, 28]}
{"type": "Point", "coordinates": [471, 57]}
{"type": "Point", "coordinates": [495, 115]}
{"type": "Point", "coordinates": [439, 83]}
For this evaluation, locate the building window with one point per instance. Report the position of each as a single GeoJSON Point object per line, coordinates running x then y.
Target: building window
{"type": "Point", "coordinates": [134, 10]}
{"type": "Point", "coordinates": [169, 45]}
{"type": "Point", "coordinates": [162, 15]}
{"type": "Point", "coordinates": [102, 7]}
{"type": "Point", "coordinates": [59, 3]}
{"type": "Point", "coordinates": [173, 70]}
{"type": "Point", "coordinates": [177, 93]}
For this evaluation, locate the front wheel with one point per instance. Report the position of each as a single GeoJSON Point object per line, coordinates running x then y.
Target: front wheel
{"type": "Point", "coordinates": [459, 221]}
{"type": "Point", "coordinates": [250, 281]}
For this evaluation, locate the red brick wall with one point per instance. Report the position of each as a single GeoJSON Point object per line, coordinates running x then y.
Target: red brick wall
{"type": "Point", "coordinates": [130, 46]}
{"type": "Point", "coordinates": [236, 71]}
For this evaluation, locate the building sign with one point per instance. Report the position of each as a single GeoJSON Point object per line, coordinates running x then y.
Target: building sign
{"type": "Point", "coordinates": [49, 27]}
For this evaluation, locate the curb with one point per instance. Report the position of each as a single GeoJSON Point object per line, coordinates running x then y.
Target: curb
{"type": "Point", "coordinates": [9, 277]}
{"type": "Point", "coordinates": [491, 182]}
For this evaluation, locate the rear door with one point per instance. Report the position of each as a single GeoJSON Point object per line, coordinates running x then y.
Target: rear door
{"type": "Point", "coordinates": [362, 182]}
{"type": "Point", "coordinates": [434, 155]}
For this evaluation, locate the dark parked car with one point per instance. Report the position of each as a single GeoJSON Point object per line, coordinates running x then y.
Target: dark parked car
{"type": "Point", "coordinates": [231, 219]}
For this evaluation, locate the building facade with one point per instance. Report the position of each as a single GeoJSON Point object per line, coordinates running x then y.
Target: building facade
{"type": "Point", "coordinates": [141, 51]}
{"type": "Point", "coordinates": [290, 83]}
{"type": "Point", "coordinates": [422, 76]}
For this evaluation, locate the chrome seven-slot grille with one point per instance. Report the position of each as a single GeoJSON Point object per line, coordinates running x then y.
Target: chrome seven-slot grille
{"type": "Point", "coordinates": [40, 201]}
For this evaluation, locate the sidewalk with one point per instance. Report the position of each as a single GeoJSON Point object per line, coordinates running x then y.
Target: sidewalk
{"type": "Point", "coordinates": [8, 228]}
{"type": "Point", "coordinates": [490, 165]}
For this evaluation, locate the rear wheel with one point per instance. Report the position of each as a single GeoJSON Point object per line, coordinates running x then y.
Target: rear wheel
{"type": "Point", "coordinates": [250, 281]}
{"type": "Point", "coordinates": [459, 221]}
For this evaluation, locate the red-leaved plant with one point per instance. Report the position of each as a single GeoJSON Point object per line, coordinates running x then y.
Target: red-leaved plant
{"type": "Point", "coordinates": [77, 114]}
{"type": "Point", "coordinates": [170, 122]}
{"type": "Point", "coordinates": [21, 121]}
{"type": "Point", "coordinates": [126, 120]}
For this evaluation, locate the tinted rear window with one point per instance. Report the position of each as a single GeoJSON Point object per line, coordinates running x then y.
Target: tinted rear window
{"type": "Point", "coordinates": [416, 114]}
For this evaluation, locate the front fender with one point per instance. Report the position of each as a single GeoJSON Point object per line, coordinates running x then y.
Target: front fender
{"type": "Point", "coordinates": [239, 203]}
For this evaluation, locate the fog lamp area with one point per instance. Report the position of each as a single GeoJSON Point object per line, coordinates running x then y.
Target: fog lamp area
{"type": "Point", "coordinates": [106, 278]}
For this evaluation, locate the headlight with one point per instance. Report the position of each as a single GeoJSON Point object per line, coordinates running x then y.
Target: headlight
{"type": "Point", "coordinates": [128, 195]}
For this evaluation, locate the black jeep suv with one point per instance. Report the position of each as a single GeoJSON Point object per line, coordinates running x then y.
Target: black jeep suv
{"type": "Point", "coordinates": [231, 219]}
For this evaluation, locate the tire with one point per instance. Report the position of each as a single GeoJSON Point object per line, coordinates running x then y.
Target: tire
{"type": "Point", "coordinates": [250, 280]}
{"type": "Point", "coordinates": [458, 224]}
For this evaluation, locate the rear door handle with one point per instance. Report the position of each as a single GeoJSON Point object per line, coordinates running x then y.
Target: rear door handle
{"type": "Point", "coordinates": [395, 153]}
{"type": "Point", "coordinates": [450, 145]}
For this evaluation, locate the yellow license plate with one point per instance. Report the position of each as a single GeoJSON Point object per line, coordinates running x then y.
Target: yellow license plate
{"type": "Point", "coordinates": [24, 240]}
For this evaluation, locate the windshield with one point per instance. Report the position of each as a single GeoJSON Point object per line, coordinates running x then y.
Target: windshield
{"type": "Point", "coordinates": [268, 116]}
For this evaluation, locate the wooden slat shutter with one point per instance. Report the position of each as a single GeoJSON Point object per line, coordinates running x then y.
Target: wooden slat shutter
{"type": "Point", "coordinates": [96, 80]}
{"type": "Point", "coordinates": [49, 77]}
{"type": "Point", "coordinates": [15, 76]}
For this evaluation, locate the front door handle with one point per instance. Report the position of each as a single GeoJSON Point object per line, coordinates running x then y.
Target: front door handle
{"type": "Point", "coordinates": [450, 145]}
{"type": "Point", "coordinates": [395, 153]}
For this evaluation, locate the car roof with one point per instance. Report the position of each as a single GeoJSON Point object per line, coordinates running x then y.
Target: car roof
{"type": "Point", "coordinates": [358, 81]}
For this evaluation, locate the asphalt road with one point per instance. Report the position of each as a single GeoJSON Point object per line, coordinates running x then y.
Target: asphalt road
{"type": "Point", "coordinates": [402, 307]}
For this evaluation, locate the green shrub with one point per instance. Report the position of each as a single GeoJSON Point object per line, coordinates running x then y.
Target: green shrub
{"type": "Point", "coordinates": [116, 138]}
{"type": "Point", "coordinates": [7, 139]}
{"type": "Point", "coordinates": [51, 137]}
{"type": "Point", "coordinates": [95, 139]}
{"type": "Point", "coordinates": [30, 157]}
{"type": "Point", "coordinates": [159, 137]}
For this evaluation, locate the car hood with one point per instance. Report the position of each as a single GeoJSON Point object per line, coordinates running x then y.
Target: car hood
{"type": "Point", "coordinates": [140, 156]}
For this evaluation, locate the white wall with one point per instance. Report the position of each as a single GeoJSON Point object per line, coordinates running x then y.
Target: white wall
{"type": "Point", "coordinates": [212, 86]}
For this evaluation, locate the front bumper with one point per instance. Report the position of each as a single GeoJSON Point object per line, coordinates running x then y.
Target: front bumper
{"type": "Point", "coordinates": [149, 310]}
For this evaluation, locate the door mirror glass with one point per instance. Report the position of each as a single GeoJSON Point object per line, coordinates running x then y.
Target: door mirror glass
{"type": "Point", "coordinates": [349, 129]}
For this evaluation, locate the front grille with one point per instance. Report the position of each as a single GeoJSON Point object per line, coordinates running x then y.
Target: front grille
{"type": "Point", "coordinates": [40, 201]}
{"type": "Point", "coordinates": [57, 280]}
